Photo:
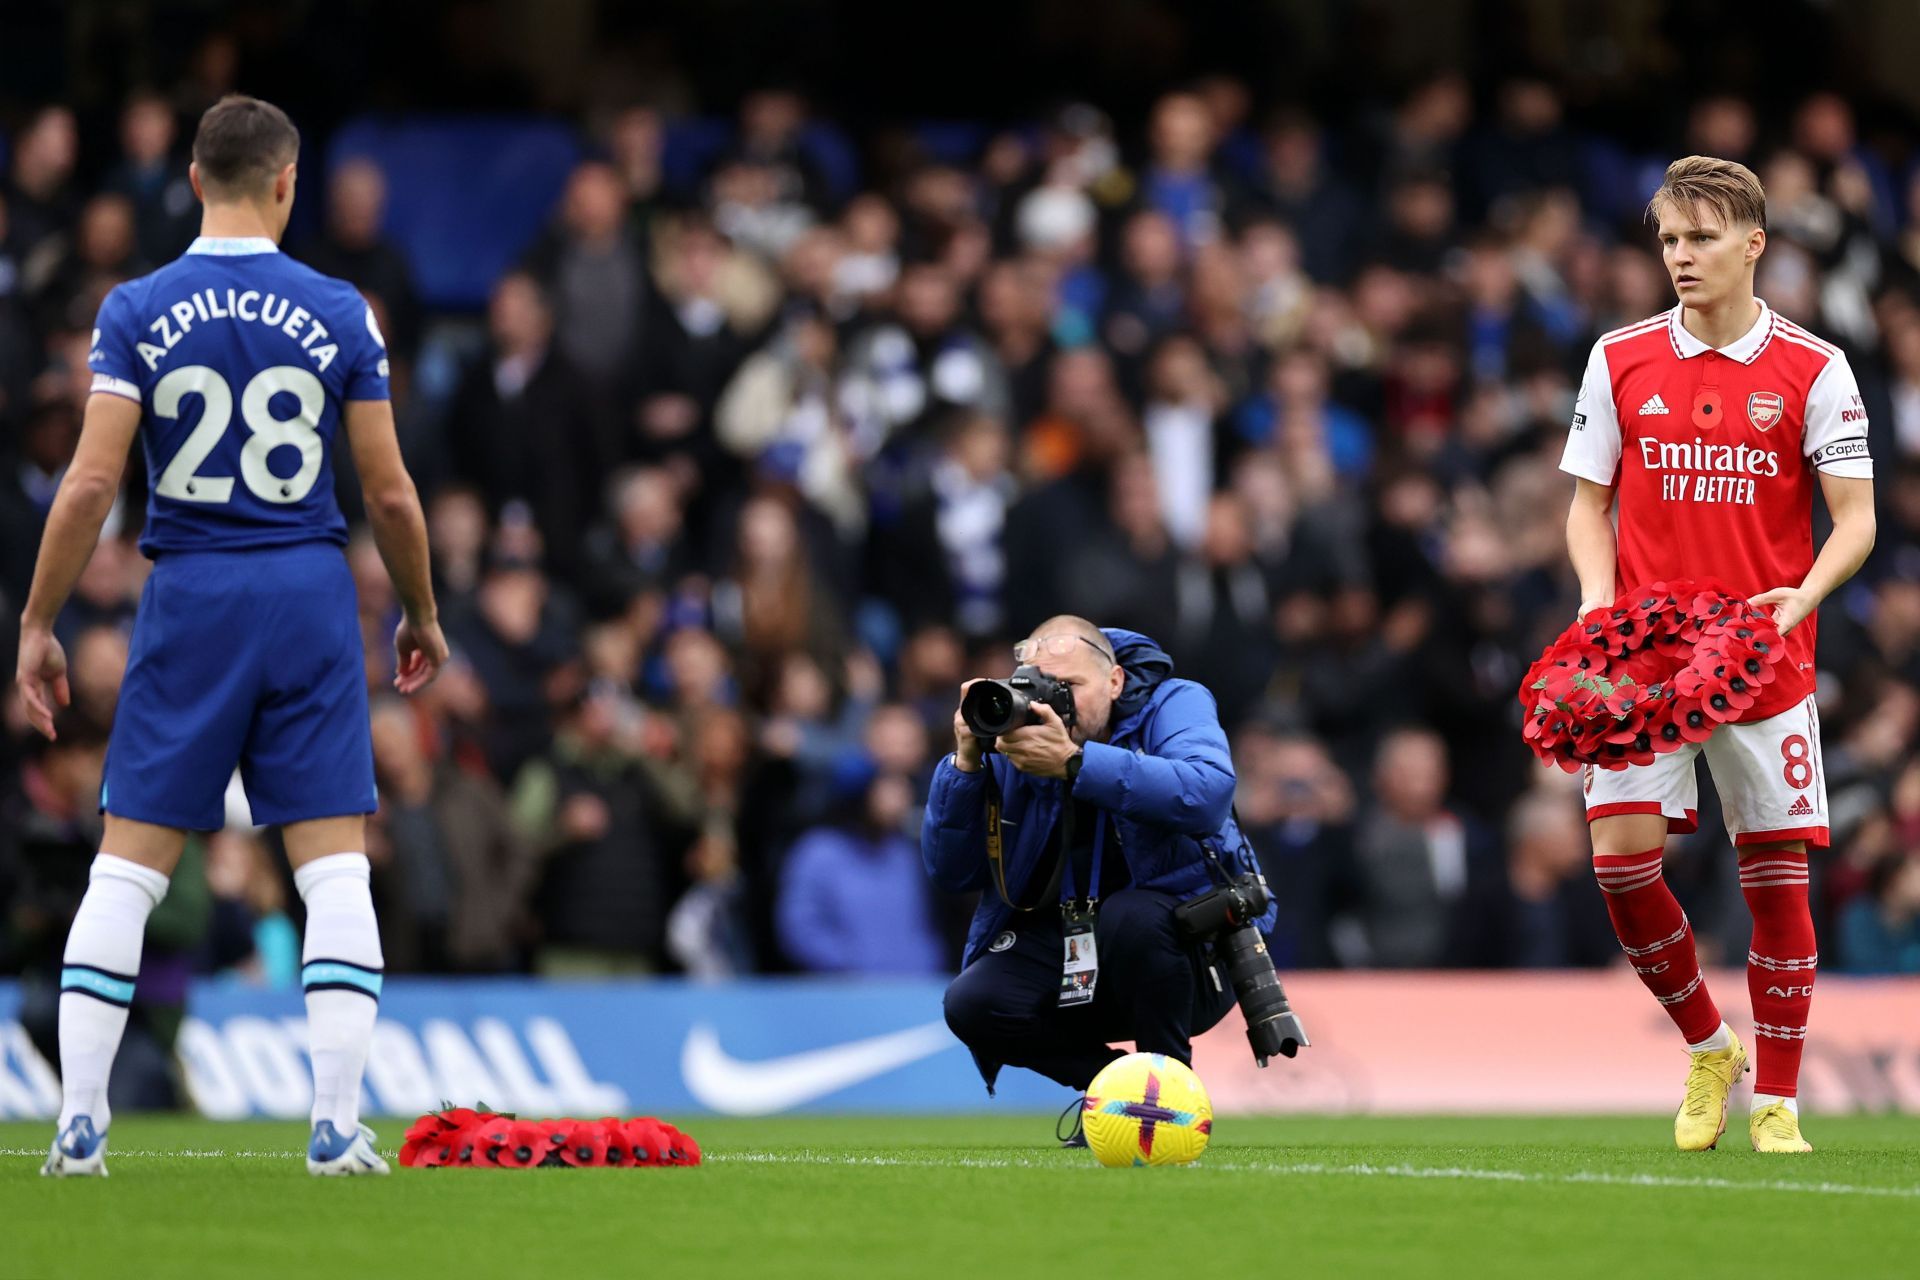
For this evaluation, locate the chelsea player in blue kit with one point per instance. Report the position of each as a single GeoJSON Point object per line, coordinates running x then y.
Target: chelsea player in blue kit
{"type": "Point", "coordinates": [237, 367]}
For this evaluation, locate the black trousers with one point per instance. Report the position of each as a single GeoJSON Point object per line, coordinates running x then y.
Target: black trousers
{"type": "Point", "coordinates": [1154, 990]}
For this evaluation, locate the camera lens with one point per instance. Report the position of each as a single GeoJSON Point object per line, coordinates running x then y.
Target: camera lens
{"type": "Point", "coordinates": [1272, 1028]}
{"type": "Point", "coordinates": [992, 707]}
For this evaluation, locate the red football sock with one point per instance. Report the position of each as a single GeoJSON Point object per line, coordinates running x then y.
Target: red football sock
{"type": "Point", "coordinates": [1656, 936]}
{"type": "Point", "coordinates": [1780, 965]}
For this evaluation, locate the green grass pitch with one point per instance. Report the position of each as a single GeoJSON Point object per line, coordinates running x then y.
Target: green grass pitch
{"type": "Point", "coordinates": [993, 1197]}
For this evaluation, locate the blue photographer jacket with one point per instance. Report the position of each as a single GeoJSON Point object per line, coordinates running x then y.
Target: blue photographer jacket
{"type": "Point", "coordinates": [1161, 785]}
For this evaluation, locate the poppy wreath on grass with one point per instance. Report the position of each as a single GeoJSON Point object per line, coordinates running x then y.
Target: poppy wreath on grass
{"type": "Point", "coordinates": [1662, 666]}
{"type": "Point", "coordinates": [475, 1138]}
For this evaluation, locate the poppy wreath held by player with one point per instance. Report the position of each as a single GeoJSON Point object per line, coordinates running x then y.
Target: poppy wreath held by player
{"type": "Point", "coordinates": [1661, 666]}
{"type": "Point", "coordinates": [475, 1138]}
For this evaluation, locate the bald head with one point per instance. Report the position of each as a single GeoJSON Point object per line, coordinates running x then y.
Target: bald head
{"type": "Point", "coordinates": [1073, 651]}
{"type": "Point", "coordinates": [1068, 624]}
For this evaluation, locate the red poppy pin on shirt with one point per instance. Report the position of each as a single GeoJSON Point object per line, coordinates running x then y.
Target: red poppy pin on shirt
{"type": "Point", "coordinates": [1707, 410]}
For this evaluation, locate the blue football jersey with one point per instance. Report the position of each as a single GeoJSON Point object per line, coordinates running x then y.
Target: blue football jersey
{"type": "Point", "coordinates": [240, 359]}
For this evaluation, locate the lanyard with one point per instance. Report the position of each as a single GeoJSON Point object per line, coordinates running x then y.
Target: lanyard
{"type": "Point", "coordinates": [1069, 856]}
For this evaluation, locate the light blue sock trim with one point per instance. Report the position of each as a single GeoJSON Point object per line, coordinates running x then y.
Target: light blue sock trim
{"type": "Point", "coordinates": [336, 973]}
{"type": "Point", "coordinates": [96, 983]}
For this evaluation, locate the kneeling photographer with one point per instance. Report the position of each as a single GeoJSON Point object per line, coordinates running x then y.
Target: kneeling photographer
{"type": "Point", "coordinates": [1089, 799]}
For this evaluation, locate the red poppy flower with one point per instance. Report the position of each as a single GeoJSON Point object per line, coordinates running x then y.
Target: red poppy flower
{"type": "Point", "coordinates": [646, 1140]}
{"type": "Point", "coordinates": [1692, 720]}
{"type": "Point", "coordinates": [1647, 666]}
{"type": "Point", "coordinates": [1740, 693]}
{"type": "Point", "coordinates": [1625, 697]}
{"type": "Point", "coordinates": [484, 1141]}
{"type": "Point", "coordinates": [526, 1145]}
{"type": "Point", "coordinates": [427, 1126]}
{"type": "Point", "coordinates": [1643, 605]}
{"type": "Point", "coordinates": [423, 1149]}
{"type": "Point", "coordinates": [1620, 634]}
{"type": "Point", "coordinates": [424, 1132]}
{"type": "Point", "coordinates": [1534, 727]}
{"type": "Point", "coordinates": [1719, 706]}
{"type": "Point", "coordinates": [586, 1145]}
{"type": "Point", "coordinates": [1635, 750]}
{"type": "Point", "coordinates": [619, 1151]}
{"type": "Point", "coordinates": [1672, 646]}
{"type": "Point", "coordinates": [681, 1148]}
{"type": "Point", "coordinates": [1662, 733]}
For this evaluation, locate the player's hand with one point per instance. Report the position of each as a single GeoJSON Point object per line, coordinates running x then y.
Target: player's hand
{"type": "Point", "coordinates": [419, 652]}
{"type": "Point", "coordinates": [1040, 750]}
{"type": "Point", "coordinates": [1791, 606]}
{"type": "Point", "coordinates": [968, 751]}
{"type": "Point", "coordinates": [42, 677]}
{"type": "Point", "coordinates": [1588, 606]}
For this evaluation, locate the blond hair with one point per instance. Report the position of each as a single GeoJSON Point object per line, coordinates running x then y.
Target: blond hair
{"type": "Point", "coordinates": [1727, 187]}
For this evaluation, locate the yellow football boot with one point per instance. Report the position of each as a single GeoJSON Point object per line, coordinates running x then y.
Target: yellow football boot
{"type": "Point", "coordinates": [1702, 1117]}
{"type": "Point", "coordinates": [1775, 1127]}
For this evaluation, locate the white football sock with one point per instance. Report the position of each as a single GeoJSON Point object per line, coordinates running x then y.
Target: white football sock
{"type": "Point", "coordinates": [340, 969]}
{"type": "Point", "coordinates": [1720, 1039]}
{"type": "Point", "coordinates": [1761, 1101]}
{"type": "Point", "coordinates": [96, 982]}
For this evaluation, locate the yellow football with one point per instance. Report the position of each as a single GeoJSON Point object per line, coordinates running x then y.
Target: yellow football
{"type": "Point", "coordinates": [1146, 1108]}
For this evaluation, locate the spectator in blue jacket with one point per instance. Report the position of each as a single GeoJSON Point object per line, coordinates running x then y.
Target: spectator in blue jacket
{"type": "Point", "coordinates": [1138, 789]}
{"type": "Point", "coordinates": [852, 899]}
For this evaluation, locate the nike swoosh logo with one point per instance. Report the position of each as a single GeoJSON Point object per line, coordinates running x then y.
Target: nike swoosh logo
{"type": "Point", "coordinates": [724, 1083]}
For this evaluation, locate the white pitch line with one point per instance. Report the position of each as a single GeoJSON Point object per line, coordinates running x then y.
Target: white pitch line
{"type": "Point", "coordinates": [186, 1154]}
{"type": "Point", "coordinates": [1584, 1178]}
{"type": "Point", "coordinates": [1309, 1170]}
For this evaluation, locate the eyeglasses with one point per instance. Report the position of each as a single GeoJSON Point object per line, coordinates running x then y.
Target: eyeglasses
{"type": "Point", "coordinates": [1055, 646]}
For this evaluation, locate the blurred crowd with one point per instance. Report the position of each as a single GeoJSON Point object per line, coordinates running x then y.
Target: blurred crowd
{"type": "Point", "coordinates": [737, 479]}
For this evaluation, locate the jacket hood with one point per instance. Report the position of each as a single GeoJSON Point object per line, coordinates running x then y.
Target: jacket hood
{"type": "Point", "coordinates": [1147, 666]}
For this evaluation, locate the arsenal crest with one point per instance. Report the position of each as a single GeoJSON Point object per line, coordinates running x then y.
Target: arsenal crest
{"type": "Point", "coordinates": [1764, 409]}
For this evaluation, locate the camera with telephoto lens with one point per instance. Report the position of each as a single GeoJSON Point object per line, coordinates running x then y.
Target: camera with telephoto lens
{"type": "Point", "coordinates": [994, 707]}
{"type": "Point", "coordinates": [1225, 917]}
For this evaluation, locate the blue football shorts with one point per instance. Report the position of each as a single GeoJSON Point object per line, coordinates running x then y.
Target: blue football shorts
{"type": "Point", "coordinates": [251, 658]}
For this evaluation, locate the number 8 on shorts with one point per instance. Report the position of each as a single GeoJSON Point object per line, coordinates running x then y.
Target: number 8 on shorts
{"type": "Point", "coordinates": [1768, 773]}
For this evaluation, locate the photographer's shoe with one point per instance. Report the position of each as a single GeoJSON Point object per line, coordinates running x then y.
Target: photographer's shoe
{"type": "Point", "coordinates": [1072, 1138]}
{"type": "Point", "coordinates": [1776, 1127]}
{"type": "Point", "coordinates": [1702, 1116]}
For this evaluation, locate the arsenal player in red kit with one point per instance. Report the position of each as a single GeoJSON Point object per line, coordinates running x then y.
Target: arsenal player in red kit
{"type": "Point", "coordinates": [1709, 426]}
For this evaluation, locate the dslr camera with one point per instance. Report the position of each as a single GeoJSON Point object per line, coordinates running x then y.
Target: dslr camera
{"type": "Point", "coordinates": [994, 707]}
{"type": "Point", "coordinates": [1224, 918]}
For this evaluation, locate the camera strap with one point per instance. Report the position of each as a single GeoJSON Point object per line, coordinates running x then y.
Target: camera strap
{"type": "Point", "coordinates": [996, 850]}
{"type": "Point", "coordinates": [1215, 867]}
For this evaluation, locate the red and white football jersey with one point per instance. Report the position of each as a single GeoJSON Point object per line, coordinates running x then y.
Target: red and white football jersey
{"type": "Point", "coordinates": [1713, 452]}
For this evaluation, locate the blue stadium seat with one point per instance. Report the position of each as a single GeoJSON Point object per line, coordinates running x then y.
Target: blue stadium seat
{"type": "Point", "coordinates": [465, 196]}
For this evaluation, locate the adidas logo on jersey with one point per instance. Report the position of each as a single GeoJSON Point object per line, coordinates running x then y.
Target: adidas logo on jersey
{"type": "Point", "coordinates": [1654, 405]}
{"type": "Point", "coordinates": [1801, 809]}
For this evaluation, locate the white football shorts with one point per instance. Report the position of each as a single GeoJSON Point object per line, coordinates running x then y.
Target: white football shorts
{"type": "Point", "coordinates": [1772, 785]}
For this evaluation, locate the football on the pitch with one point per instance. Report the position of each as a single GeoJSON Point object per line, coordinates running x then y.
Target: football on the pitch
{"type": "Point", "coordinates": [1146, 1108]}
